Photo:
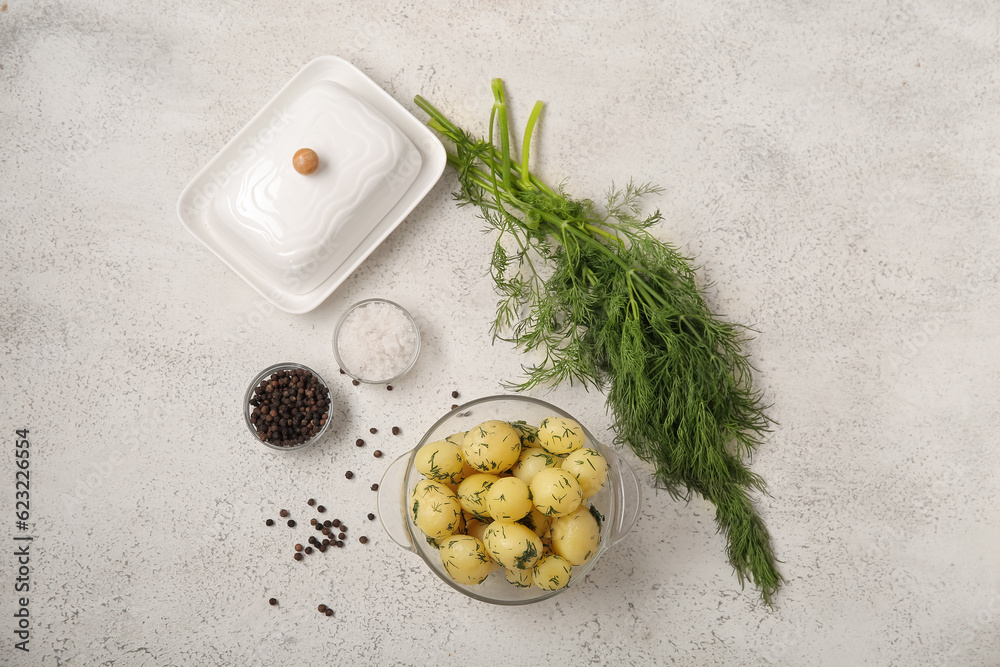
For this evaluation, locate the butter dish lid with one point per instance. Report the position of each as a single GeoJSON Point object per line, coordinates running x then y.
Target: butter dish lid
{"type": "Point", "coordinates": [296, 237]}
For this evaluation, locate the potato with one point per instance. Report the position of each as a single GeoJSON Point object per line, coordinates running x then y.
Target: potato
{"type": "Point", "coordinates": [559, 435]}
{"type": "Point", "coordinates": [441, 461]}
{"type": "Point", "coordinates": [528, 433]}
{"type": "Point", "coordinates": [551, 572]}
{"type": "Point", "coordinates": [575, 536]}
{"type": "Point", "coordinates": [520, 578]}
{"type": "Point", "coordinates": [476, 527]}
{"type": "Point", "coordinates": [457, 438]}
{"type": "Point", "coordinates": [435, 509]}
{"type": "Point", "coordinates": [589, 468]}
{"type": "Point", "coordinates": [509, 499]}
{"type": "Point", "coordinates": [555, 492]}
{"type": "Point", "coordinates": [536, 521]}
{"type": "Point", "coordinates": [472, 493]}
{"type": "Point", "coordinates": [465, 559]}
{"type": "Point", "coordinates": [530, 461]}
{"type": "Point", "coordinates": [492, 447]}
{"type": "Point", "coordinates": [512, 545]}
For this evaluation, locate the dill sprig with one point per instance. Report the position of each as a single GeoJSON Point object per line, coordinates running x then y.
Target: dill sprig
{"type": "Point", "coordinates": [605, 303]}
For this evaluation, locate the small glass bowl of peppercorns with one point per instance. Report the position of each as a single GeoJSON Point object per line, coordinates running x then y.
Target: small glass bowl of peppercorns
{"type": "Point", "coordinates": [287, 407]}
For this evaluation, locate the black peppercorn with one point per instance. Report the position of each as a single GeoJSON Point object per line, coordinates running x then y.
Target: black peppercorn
{"type": "Point", "coordinates": [363, 539]}
{"type": "Point", "coordinates": [355, 383]}
{"type": "Point", "coordinates": [373, 430]}
{"type": "Point", "coordinates": [348, 474]}
{"type": "Point", "coordinates": [360, 442]}
{"type": "Point", "coordinates": [335, 523]}
{"type": "Point", "coordinates": [454, 394]}
{"type": "Point", "coordinates": [291, 523]}
{"type": "Point", "coordinates": [377, 453]}
{"type": "Point", "coordinates": [283, 513]}
{"type": "Point", "coordinates": [371, 517]}
{"type": "Point", "coordinates": [322, 608]}
{"type": "Point", "coordinates": [311, 502]}
{"type": "Point", "coordinates": [309, 550]}
{"type": "Point", "coordinates": [328, 612]}
{"type": "Point", "coordinates": [388, 387]}
{"type": "Point", "coordinates": [269, 522]}
{"type": "Point", "coordinates": [298, 547]}
{"type": "Point", "coordinates": [395, 430]}
{"type": "Point", "coordinates": [273, 601]}
{"type": "Point", "coordinates": [299, 556]}
{"type": "Point", "coordinates": [320, 509]}
{"type": "Point", "coordinates": [374, 487]}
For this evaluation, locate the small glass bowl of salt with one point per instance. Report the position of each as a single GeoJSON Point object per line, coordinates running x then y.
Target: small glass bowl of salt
{"type": "Point", "coordinates": [376, 341]}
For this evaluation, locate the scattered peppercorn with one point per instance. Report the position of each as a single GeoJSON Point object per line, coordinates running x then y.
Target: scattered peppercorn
{"type": "Point", "coordinates": [298, 547]}
{"type": "Point", "coordinates": [273, 601]}
{"type": "Point", "coordinates": [395, 430]}
{"type": "Point", "coordinates": [363, 539]}
{"type": "Point", "coordinates": [341, 536]}
{"type": "Point", "coordinates": [339, 543]}
{"type": "Point", "coordinates": [343, 526]}
{"type": "Point", "coordinates": [326, 531]}
{"type": "Point", "coordinates": [312, 522]}
{"type": "Point", "coordinates": [335, 523]}
{"type": "Point", "coordinates": [374, 487]}
{"type": "Point", "coordinates": [327, 523]}
{"type": "Point", "coordinates": [269, 522]}
{"type": "Point", "coordinates": [348, 474]}
{"type": "Point", "coordinates": [454, 394]}
{"type": "Point", "coordinates": [309, 550]}
{"type": "Point", "coordinates": [299, 556]}
{"type": "Point", "coordinates": [355, 383]}
{"type": "Point", "coordinates": [311, 502]}
{"type": "Point", "coordinates": [360, 442]}
{"type": "Point", "coordinates": [454, 406]}
{"type": "Point", "coordinates": [388, 387]}
{"type": "Point", "coordinates": [328, 612]}
{"type": "Point", "coordinates": [341, 371]}
{"type": "Point", "coordinates": [326, 543]}
{"type": "Point", "coordinates": [320, 509]}
{"type": "Point", "coordinates": [319, 526]}
{"type": "Point", "coordinates": [373, 430]}
{"type": "Point", "coordinates": [291, 523]}
{"type": "Point", "coordinates": [322, 608]}
{"type": "Point", "coordinates": [371, 517]}
{"type": "Point", "coordinates": [377, 453]}
{"type": "Point", "coordinates": [283, 513]}
{"type": "Point", "coordinates": [289, 407]}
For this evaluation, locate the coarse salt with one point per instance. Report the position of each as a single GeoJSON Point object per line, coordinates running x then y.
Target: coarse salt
{"type": "Point", "coordinates": [377, 341]}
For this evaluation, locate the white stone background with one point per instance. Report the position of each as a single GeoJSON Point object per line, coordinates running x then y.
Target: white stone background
{"type": "Point", "coordinates": [834, 168]}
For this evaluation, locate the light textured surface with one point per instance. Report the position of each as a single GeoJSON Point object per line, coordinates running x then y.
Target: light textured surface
{"type": "Point", "coordinates": [833, 167]}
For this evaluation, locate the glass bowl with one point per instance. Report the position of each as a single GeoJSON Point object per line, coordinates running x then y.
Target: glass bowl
{"type": "Point", "coordinates": [248, 409]}
{"type": "Point", "coordinates": [618, 501]}
{"type": "Point", "coordinates": [358, 374]}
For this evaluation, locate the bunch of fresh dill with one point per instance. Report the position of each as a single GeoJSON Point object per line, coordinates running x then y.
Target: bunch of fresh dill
{"type": "Point", "coordinates": [606, 303]}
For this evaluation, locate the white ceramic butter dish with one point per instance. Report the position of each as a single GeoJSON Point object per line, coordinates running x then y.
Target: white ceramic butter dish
{"type": "Point", "coordinates": [296, 237]}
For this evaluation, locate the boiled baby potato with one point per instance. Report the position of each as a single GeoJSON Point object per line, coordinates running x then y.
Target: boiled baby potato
{"type": "Point", "coordinates": [528, 433]}
{"type": "Point", "coordinates": [475, 526]}
{"type": "Point", "coordinates": [457, 438]}
{"type": "Point", "coordinates": [536, 521]}
{"type": "Point", "coordinates": [555, 492]}
{"type": "Point", "coordinates": [512, 545]}
{"type": "Point", "coordinates": [441, 461]}
{"type": "Point", "coordinates": [465, 559]}
{"type": "Point", "coordinates": [575, 536]}
{"type": "Point", "coordinates": [509, 500]}
{"type": "Point", "coordinates": [492, 447]}
{"type": "Point", "coordinates": [520, 578]}
{"type": "Point", "coordinates": [435, 509]}
{"type": "Point", "coordinates": [589, 468]}
{"type": "Point", "coordinates": [530, 461]}
{"type": "Point", "coordinates": [559, 435]}
{"type": "Point", "coordinates": [472, 493]}
{"type": "Point", "coordinates": [551, 572]}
